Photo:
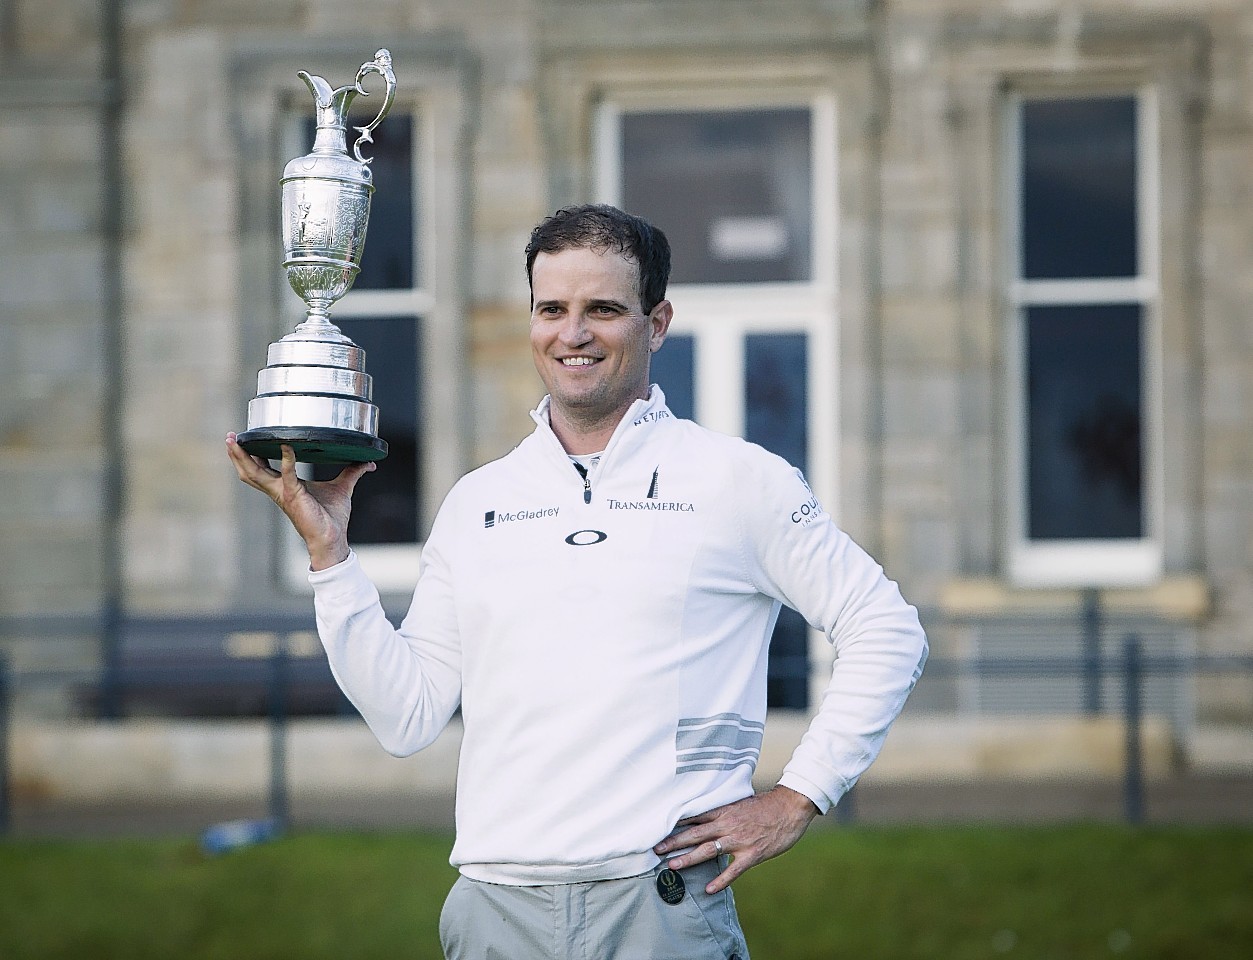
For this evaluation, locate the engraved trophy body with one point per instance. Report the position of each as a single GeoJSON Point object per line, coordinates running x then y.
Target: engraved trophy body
{"type": "Point", "coordinates": [314, 393]}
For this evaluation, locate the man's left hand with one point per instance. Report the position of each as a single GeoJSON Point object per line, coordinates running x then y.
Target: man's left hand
{"type": "Point", "coordinates": [751, 830]}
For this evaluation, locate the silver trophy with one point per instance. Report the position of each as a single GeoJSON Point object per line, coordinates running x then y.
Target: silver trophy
{"type": "Point", "coordinates": [314, 393]}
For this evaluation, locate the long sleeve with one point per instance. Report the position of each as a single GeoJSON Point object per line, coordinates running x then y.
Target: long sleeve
{"type": "Point", "coordinates": [804, 560]}
{"type": "Point", "coordinates": [609, 653]}
{"type": "Point", "coordinates": [406, 683]}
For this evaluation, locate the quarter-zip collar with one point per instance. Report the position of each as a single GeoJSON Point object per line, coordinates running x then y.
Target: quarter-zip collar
{"type": "Point", "coordinates": [636, 415]}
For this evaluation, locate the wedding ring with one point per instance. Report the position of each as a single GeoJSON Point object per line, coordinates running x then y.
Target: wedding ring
{"type": "Point", "coordinates": [718, 846]}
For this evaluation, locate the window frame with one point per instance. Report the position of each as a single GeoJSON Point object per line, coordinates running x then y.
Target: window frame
{"type": "Point", "coordinates": [1086, 562]}
{"type": "Point", "coordinates": [394, 567]}
{"type": "Point", "coordinates": [720, 316]}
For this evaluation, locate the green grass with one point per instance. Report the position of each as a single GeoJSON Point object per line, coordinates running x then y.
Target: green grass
{"type": "Point", "coordinates": [962, 893]}
{"type": "Point", "coordinates": [1072, 892]}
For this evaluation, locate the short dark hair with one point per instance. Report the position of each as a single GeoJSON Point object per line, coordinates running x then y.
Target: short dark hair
{"type": "Point", "coordinates": [598, 226]}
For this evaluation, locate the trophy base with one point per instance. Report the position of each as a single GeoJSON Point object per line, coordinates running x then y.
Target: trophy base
{"type": "Point", "coordinates": [313, 444]}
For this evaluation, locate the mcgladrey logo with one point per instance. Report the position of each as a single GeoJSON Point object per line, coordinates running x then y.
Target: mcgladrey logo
{"type": "Point", "coordinates": [493, 517]}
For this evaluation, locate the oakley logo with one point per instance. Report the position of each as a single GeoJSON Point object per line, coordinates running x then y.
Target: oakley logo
{"type": "Point", "coordinates": [586, 538]}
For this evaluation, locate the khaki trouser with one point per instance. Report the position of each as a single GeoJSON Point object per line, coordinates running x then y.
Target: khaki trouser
{"type": "Point", "coordinates": [603, 920]}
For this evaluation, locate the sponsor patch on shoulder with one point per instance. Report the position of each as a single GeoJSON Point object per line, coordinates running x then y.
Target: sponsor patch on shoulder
{"type": "Point", "coordinates": [810, 510]}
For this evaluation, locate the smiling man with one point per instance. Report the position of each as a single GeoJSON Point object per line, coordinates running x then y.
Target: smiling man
{"type": "Point", "coordinates": [599, 603]}
{"type": "Point", "coordinates": [593, 330]}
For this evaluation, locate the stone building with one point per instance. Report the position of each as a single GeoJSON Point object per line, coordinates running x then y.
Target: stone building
{"type": "Point", "coordinates": [985, 267]}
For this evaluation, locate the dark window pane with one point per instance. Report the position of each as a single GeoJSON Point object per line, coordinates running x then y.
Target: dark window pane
{"type": "Point", "coordinates": [787, 674]}
{"type": "Point", "coordinates": [385, 503]}
{"type": "Point", "coordinates": [776, 411]}
{"type": "Point", "coordinates": [1079, 188]}
{"type": "Point", "coordinates": [1085, 419]}
{"type": "Point", "coordinates": [776, 415]}
{"type": "Point", "coordinates": [672, 370]}
{"type": "Point", "coordinates": [731, 190]}
{"type": "Point", "coordinates": [388, 256]}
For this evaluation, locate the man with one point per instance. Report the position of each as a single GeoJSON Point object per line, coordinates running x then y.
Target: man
{"type": "Point", "coordinates": [599, 603]}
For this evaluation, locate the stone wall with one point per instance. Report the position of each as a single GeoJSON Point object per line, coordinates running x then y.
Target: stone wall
{"type": "Point", "coordinates": [53, 376]}
{"type": "Point", "coordinates": [922, 343]}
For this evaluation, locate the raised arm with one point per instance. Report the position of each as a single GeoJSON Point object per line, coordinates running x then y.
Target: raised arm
{"type": "Point", "coordinates": [406, 683]}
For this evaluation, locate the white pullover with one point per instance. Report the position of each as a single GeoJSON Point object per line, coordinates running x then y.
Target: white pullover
{"type": "Point", "coordinates": [606, 641]}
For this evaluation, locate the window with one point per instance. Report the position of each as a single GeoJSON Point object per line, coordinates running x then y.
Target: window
{"type": "Point", "coordinates": [406, 307]}
{"type": "Point", "coordinates": [745, 193]}
{"type": "Point", "coordinates": [1084, 300]}
{"type": "Point", "coordinates": [732, 186]}
{"type": "Point", "coordinates": [385, 505]}
{"type": "Point", "coordinates": [385, 314]}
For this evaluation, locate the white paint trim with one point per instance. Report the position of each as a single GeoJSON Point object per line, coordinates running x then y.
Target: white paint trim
{"type": "Point", "coordinates": [1082, 563]}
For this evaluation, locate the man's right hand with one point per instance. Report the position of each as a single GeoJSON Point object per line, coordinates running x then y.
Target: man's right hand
{"type": "Point", "coordinates": [319, 510]}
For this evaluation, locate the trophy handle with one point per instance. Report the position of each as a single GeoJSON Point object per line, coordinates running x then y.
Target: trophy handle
{"type": "Point", "coordinates": [382, 65]}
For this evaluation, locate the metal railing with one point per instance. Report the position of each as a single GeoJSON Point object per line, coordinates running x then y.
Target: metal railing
{"type": "Point", "coordinates": [278, 673]}
{"type": "Point", "coordinates": [263, 664]}
{"type": "Point", "coordinates": [1131, 665]}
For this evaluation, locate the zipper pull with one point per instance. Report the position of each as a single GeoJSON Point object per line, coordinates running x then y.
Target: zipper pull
{"type": "Point", "coordinates": [587, 481]}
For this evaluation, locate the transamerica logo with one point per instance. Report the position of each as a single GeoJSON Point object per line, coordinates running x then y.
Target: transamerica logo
{"type": "Point", "coordinates": [651, 505]}
{"type": "Point", "coordinates": [493, 517]}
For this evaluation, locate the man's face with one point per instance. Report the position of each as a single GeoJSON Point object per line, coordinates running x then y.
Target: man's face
{"type": "Point", "coordinates": [590, 338]}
